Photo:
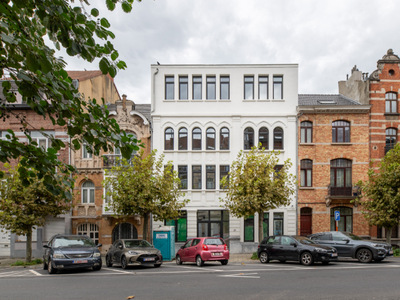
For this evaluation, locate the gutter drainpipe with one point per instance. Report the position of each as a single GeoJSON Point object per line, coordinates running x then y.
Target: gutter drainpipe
{"type": "Point", "coordinates": [297, 169]}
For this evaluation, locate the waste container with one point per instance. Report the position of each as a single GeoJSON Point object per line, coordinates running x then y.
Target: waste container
{"type": "Point", "coordinates": [164, 240]}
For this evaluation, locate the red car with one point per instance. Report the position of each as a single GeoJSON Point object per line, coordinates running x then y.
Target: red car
{"type": "Point", "coordinates": [203, 249]}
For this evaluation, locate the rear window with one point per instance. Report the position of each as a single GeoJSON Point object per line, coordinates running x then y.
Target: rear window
{"type": "Point", "coordinates": [213, 242]}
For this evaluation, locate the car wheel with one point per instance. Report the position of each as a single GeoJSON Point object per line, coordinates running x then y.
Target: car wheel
{"type": "Point", "coordinates": [224, 262]}
{"type": "Point", "coordinates": [157, 266]}
{"type": "Point", "coordinates": [282, 261]}
{"type": "Point", "coordinates": [50, 268]}
{"type": "Point", "coordinates": [44, 264]}
{"type": "Point", "coordinates": [97, 268]}
{"type": "Point", "coordinates": [264, 257]}
{"type": "Point", "coordinates": [199, 261]}
{"type": "Point", "coordinates": [325, 263]}
{"type": "Point", "coordinates": [307, 259]}
{"type": "Point", "coordinates": [178, 260]}
{"type": "Point", "coordinates": [124, 264]}
{"type": "Point", "coordinates": [364, 256]}
{"type": "Point", "coordinates": [108, 262]}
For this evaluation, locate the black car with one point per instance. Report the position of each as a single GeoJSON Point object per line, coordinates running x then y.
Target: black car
{"type": "Point", "coordinates": [350, 245]}
{"type": "Point", "coordinates": [71, 252]}
{"type": "Point", "coordinates": [296, 248]}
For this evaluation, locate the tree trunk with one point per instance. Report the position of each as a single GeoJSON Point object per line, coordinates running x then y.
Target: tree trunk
{"type": "Point", "coordinates": [260, 226]}
{"type": "Point", "coordinates": [146, 226]}
{"type": "Point", "coordinates": [29, 246]}
{"type": "Point", "coordinates": [389, 235]}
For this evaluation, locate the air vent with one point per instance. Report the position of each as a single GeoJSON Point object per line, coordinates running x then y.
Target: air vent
{"type": "Point", "coordinates": [327, 102]}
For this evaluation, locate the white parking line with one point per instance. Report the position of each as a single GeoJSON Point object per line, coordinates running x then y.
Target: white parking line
{"type": "Point", "coordinates": [109, 269]}
{"type": "Point", "coordinates": [36, 273]}
{"type": "Point", "coordinates": [241, 275]}
{"type": "Point", "coordinates": [199, 269]}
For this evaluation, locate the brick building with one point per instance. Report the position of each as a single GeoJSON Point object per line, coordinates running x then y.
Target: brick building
{"type": "Point", "coordinates": [333, 155]}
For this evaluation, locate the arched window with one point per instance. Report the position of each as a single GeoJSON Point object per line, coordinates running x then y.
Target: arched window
{"type": "Point", "coordinates": [210, 139]}
{"type": "Point", "coordinates": [346, 219]}
{"type": "Point", "coordinates": [91, 230]}
{"type": "Point", "coordinates": [124, 231]}
{"type": "Point", "coordinates": [340, 132]}
{"type": "Point", "coordinates": [341, 182]}
{"type": "Point", "coordinates": [391, 103]}
{"type": "Point", "coordinates": [263, 135]}
{"type": "Point", "coordinates": [196, 139]}
{"type": "Point", "coordinates": [306, 132]}
{"type": "Point", "coordinates": [306, 172]}
{"type": "Point", "coordinates": [248, 138]}
{"type": "Point", "coordinates": [182, 139]}
{"type": "Point", "coordinates": [391, 139]}
{"type": "Point", "coordinates": [278, 138]}
{"type": "Point", "coordinates": [305, 221]}
{"type": "Point", "coordinates": [169, 139]}
{"type": "Point", "coordinates": [224, 139]}
{"type": "Point", "coordinates": [88, 192]}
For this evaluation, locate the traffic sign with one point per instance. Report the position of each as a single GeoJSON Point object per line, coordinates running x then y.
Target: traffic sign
{"type": "Point", "coordinates": [337, 215]}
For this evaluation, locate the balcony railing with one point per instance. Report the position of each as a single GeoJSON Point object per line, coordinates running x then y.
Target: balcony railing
{"type": "Point", "coordinates": [336, 191]}
{"type": "Point", "coordinates": [112, 160]}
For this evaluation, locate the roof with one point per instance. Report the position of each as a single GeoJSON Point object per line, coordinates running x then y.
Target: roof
{"type": "Point", "coordinates": [325, 99]}
{"type": "Point", "coordinates": [144, 109]}
{"type": "Point", "coordinates": [83, 75]}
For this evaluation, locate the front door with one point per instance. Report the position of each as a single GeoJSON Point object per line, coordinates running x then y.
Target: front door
{"type": "Point", "coordinates": [192, 250]}
{"type": "Point", "coordinates": [343, 247]}
{"type": "Point", "coordinates": [305, 221]}
{"type": "Point", "coordinates": [288, 252]}
{"type": "Point", "coordinates": [185, 249]}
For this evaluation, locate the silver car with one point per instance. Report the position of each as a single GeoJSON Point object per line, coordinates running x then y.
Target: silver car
{"type": "Point", "coordinates": [132, 253]}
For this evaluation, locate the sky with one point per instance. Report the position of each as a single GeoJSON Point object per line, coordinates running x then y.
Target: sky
{"type": "Point", "coordinates": [326, 38]}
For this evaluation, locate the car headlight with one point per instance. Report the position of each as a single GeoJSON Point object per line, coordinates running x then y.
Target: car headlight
{"type": "Point", "coordinates": [378, 245]}
{"type": "Point", "coordinates": [320, 250]}
{"type": "Point", "coordinates": [133, 252]}
{"type": "Point", "coordinates": [97, 254]}
{"type": "Point", "coordinates": [58, 255]}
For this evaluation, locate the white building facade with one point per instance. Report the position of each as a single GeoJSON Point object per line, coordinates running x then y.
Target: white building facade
{"type": "Point", "coordinates": [203, 115]}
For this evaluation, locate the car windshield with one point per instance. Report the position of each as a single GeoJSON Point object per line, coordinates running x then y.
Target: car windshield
{"type": "Point", "coordinates": [353, 236]}
{"type": "Point", "coordinates": [304, 240]}
{"type": "Point", "coordinates": [137, 244]}
{"type": "Point", "coordinates": [213, 242]}
{"type": "Point", "coordinates": [72, 241]}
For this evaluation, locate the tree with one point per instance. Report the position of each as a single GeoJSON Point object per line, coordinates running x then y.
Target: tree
{"type": "Point", "coordinates": [380, 197]}
{"type": "Point", "coordinates": [143, 186]}
{"type": "Point", "coordinates": [45, 86]}
{"type": "Point", "coordinates": [254, 185]}
{"type": "Point", "coordinates": [24, 207]}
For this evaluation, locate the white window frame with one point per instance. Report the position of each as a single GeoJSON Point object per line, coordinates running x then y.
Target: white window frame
{"type": "Point", "coordinates": [87, 229]}
{"type": "Point", "coordinates": [37, 136]}
{"type": "Point", "coordinates": [85, 153]}
{"type": "Point", "coordinates": [88, 190]}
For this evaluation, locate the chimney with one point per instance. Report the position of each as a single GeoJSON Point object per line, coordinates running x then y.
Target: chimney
{"type": "Point", "coordinates": [124, 101]}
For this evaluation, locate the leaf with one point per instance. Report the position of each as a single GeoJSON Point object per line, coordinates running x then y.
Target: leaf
{"type": "Point", "coordinates": [104, 22]}
{"type": "Point", "coordinates": [104, 65]}
{"type": "Point", "coordinates": [94, 12]}
{"type": "Point", "coordinates": [110, 4]}
{"type": "Point", "coordinates": [126, 7]}
{"type": "Point", "coordinates": [114, 55]}
{"type": "Point", "coordinates": [130, 297]}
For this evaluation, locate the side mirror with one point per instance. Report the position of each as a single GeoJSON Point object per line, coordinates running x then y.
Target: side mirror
{"type": "Point", "coordinates": [293, 244]}
{"type": "Point", "coordinates": [46, 246]}
{"type": "Point", "coordinates": [346, 240]}
{"type": "Point", "coordinates": [99, 245]}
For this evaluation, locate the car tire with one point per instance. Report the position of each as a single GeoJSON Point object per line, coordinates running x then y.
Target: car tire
{"type": "Point", "coordinates": [264, 257]}
{"type": "Point", "coordinates": [199, 261]}
{"type": "Point", "coordinates": [178, 260]}
{"type": "Point", "coordinates": [157, 266]}
{"type": "Point", "coordinates": [50, 268]}
{"type": "Point", "coordinates": [282, 261]}
{"type": "Point", "coordinates": [306, 259]}
{"type": "Point", "coordinates": [325, 263]}
{"type": "Point", "coordinates": [364, 255]}
{"type": "Point", "coordinates": [97, 268]}
{"type": "Point", "coordinates": [224, 262]}
{"type": "Point", "coordinates": [44, 264]}
{"type": "Point", "coordinates": [124, 263]}
{"type": "Point", "coordinates": [108, 262]}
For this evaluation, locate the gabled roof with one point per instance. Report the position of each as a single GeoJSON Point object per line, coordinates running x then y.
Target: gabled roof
{"type": "Point", "coordinates": [321, 99]}
{"type": "Point", "coordinates": [83, 75]}
{"type": "Point", "coordinates": [144, 109]}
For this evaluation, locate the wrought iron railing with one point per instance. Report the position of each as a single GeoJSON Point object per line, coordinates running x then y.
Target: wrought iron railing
{"type": "Point", "coordinates": [111, 160]}
{"type": "Point", "coordinates": [343, 191]}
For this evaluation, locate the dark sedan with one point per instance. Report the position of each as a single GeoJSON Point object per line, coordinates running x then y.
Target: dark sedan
{"type": "Point", "coordinates": [71, 252]}
{"type": "Point", "coordinates": [295, 248]}
{"type": "Point", "coordinates": [350, 245]}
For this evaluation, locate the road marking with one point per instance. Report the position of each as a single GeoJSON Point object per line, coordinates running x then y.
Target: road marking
{"type": "Point", "coordinates": [198, 269]}
{"type": "Point", "coordinates": [120, 271]}
{"type": "Point", "coordinates": [35, 272]}
{"type": "Point", "coordinates": [241, 275]}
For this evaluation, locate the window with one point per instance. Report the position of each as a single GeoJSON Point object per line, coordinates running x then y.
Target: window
{"type": "Point", "coordinates": [182, 138]}
{"type": "Point", "coordinates": [224, 87]}
{"type": "Point", "coordinates": [196, 139]}
{"type": "Point", "coordinates": [285, 240]}
{"type": "Point", "coordinates": [213, 223]}
{"type": "Point", "coordinates": [188, 244]}
{"type": "Point", "coordinates": [263, 135]}
{"type": "Point", "coordinates": [183, 87]}
{"type": "Point", "coordinates": [391, 139]}
{"type": "Point", "coordinates": [306, 172]}
{"type": "Point", "coordinates": [340, 132]}
{"type": "Point", "coordinates": [249, 87]}
{"type": "Point", "coordinates": [197, 88]}
{"type": "Point", "coordinates": [169, 87]}
{"type": "Point", "coordinates": [248, 138]}
{"type": "Point", "coordinates": [266, 225]}
{"type": "Point", "coordinates": [41, 140]}
{"type": "Point", "coordinates": [249, 229]}
{"type": "Point", "coordinates": [223, 171]}
{"type": "Point", "coordinates": [391, 103]}
{"type": "Point", "coordinates": [85, 152]}
{"type": "Point", "coordinates": [169, 139]}
{"type": "Point", "coordinates": [341, 183]}
{"type": "Point", "coordinates": [90, 230]}
{"type": "Point", "coordinates": [224, 139]}
{"type": "Point", "coordinates": [211, 87]}
{"type": "Point", "coordinates": [346, 219]}
{"type": "Point", "coordinates": [278, 87]}
{"type": "Point", "coordinates": [88, 192]}
{"type": "Point", "coordinates": [210, 139]}
{"type": "Point", "coordinates": [278, 138]}
{"type": "Point", "coordinates": [276, 240]}
{"type": "Point", "coordinates": [263, 87]}
{"type": "Point", "coordinates": [182, 174]}
{"type": "Point", "coordinates": [180, 225]}
{"type": "Point", "coordinates": [278, 223]}
{"type": "Point", "coordinates": [210, 177]}
{"type": "Point", "coordinates": [124, 231]}
{"type": "Point", "coordinates": [306, 132]}
{"type": "Point", "coordinates": [196, 177]}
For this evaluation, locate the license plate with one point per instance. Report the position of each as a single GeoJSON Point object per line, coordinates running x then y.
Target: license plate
{"type": "Point", "coordinates": [390, 251]}
{"type": "Point", "coordinates": [148, 259]}
{"type": "Point", "coordinates": [217, 253]}
{"type": "Point", "coordinates": [79, 262]}
{"type": "Point", "coordinates": [334, 254]}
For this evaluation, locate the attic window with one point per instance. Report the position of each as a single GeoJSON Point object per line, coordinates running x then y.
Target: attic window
{"type": "Point", "coordinates": [326, 101]}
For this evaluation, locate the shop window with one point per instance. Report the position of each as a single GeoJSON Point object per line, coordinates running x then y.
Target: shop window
{"type": "Point", "coordinates": [346, 219]}
{"type": "Point", "coordinates": [213, 223]}
{"type": "Point", "coordinates": [180, 225]}
{"type": "Point", "coordinates": [249, 229]}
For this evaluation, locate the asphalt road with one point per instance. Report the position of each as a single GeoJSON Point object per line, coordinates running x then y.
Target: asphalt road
{"type": "Point", "coordinates": [250, 280]}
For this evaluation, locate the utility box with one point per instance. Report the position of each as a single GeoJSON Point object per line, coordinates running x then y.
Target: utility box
{"type": "Point", "coordinates": [164, 240]}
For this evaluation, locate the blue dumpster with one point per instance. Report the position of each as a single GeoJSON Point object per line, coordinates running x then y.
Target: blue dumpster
{"type": "Point", "coordinates": [164, 240]}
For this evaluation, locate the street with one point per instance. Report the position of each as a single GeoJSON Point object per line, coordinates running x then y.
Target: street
{"type": "Point", "coordinates": [249, 280]}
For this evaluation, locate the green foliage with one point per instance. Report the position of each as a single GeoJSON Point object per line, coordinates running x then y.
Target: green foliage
{"type": "Point", "coordinates": [254, 256]}
{"type": "Point", "coordinates": [36, 261]}
{"type": "Point", "coordinates": [45, 86]}
{"type": "Point", "coordinates": [396, 252]}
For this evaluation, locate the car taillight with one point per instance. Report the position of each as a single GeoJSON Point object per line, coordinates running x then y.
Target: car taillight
{"type": "Point", "coordinates": [205, 247]}
{"type": "Point", "coordinates": [225, 247]}
{"type": "Point", "coordinates": [258, 246]}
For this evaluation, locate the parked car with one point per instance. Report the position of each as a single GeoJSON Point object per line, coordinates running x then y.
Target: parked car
{"type": "Point", "coordinates": [350, 245]}
{"type": "Point", "coordinates": [133, 252]}
{"type": "Point", "coordinates": [295, 248]}
{"type": "Point", "coordinates": [71, 252]}
{"type": "Point", "coordinates": [203, 249]}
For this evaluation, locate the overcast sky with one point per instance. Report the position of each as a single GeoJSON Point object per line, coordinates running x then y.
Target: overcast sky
{"type": "Point", "coordinates": [326, 38]}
